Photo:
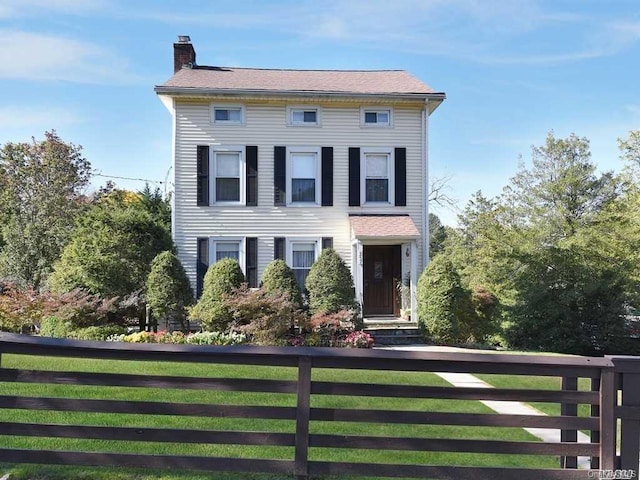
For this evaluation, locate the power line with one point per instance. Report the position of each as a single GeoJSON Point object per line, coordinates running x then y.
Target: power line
{"type": "Point", "coordinates": [148, 180]}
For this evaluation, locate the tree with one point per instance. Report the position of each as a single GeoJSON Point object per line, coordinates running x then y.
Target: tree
{"type": "Point", "coordinates": [167, 289]}
{"type": "Point", "coordinates": [221, 279]}
{"type": "Point", "coordinates": [111, 251]}
{"type": "Point", "coordinates": [330, 284]}
{"type": "Point", "coordinates": [278, 278]}
{"type": "Point", "coordinates": [157, 205]}
{"type": "Point", "coordinates": [437, 235]}
{"type": "Point", "coordinates": [443, 303]}
{"type": "Point", "coordinates": [40, 186]}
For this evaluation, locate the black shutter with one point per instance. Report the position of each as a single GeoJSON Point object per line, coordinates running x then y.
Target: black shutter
{"type": "Point", "coordinates": [327, 242]}
{"type": "Point", "coordinates": [327, 176]}
{"type": "Point", "coordinates": [202, 264]}
{"type": "Point", "coordinates": [354, 177]}
{"type": "Point", "coordinates": [401, 177]}
{"type": "Point", "coordinates": [279, 176]}
{"type": "Point", "coordinates": [278, 248]}
{"type": "Point", "coordinates": [252, 176]}
{"type": "Point", "coordinates": [251, 262]}
{"type": "Point", "coordinates": [203, 176]}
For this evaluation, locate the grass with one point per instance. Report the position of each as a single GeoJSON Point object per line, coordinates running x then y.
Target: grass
{"type": "Point", "coordinates": [240, 424]}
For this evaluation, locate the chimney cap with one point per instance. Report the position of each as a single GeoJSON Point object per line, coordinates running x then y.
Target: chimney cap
{"type": "Point", "coordinates": [184, 39]}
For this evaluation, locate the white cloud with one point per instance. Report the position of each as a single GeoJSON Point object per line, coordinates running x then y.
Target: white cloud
{"type": "Point", "coordinates": [24, 8]}
{"type": "Point", "coordinates": [31, 118]}
{"type": "Point", "coordinates": [42, 57]}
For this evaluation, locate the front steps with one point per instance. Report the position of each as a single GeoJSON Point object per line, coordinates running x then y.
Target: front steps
{"type": "Point", "coordinates": [393, 331]}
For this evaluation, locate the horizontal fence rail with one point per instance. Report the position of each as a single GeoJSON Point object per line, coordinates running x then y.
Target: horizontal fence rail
{"type": "Point", "coordinates": [308, 420]}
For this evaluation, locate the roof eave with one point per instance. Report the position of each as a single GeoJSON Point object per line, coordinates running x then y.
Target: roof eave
{"type": "Point", "coordinates": [435, 97]}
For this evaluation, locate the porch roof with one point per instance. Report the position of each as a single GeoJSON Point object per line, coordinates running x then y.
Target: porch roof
{"type": "Point", "coordinates": [383, 227]}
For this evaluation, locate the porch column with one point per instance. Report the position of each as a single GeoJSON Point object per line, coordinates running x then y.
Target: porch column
{"type": "Point", "coordinates": [414, 275]}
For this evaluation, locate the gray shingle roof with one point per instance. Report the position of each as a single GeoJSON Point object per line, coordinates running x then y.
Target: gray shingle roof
{"type": "Point", "coordinates": [368, 82]}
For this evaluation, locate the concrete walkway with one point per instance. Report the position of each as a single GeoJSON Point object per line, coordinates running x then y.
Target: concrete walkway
{"type": "Point", "coordinates": [503, 407]}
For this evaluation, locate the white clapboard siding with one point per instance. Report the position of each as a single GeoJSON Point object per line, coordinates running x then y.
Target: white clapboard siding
{"type": "Point", "coordinates": [266, 126]}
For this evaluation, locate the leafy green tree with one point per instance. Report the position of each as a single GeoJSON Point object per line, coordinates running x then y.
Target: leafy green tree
{"type": "Point", "coordinates": [221, 279]}
{"type": "Point", "coordinates": [330, 284]}
{"type": "Point", "coordinates": [437, 235]}
{"type": "Point", "coordinates": [111, 251]}
{"type": "Point", "coordinates": [444, 305]}
{"type": "Point", "coordinates": [168, 291]}
{"type": "Point", "coordinates": [278, 278]}
{"type": "Point", "coordinates": [158, 205]}
{"type": "Point", "coordinates": [41, 184]}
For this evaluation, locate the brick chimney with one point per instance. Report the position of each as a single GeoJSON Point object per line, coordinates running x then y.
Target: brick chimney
{"type": "Point", "coordinates": [183, 53]}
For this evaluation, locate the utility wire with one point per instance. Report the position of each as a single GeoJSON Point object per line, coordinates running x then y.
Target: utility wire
{"type": "Point", "coordinates": [128, 178]}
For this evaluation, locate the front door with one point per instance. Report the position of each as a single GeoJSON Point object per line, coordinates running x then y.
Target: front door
{"type": "Point", "coordinates": [382, 267]}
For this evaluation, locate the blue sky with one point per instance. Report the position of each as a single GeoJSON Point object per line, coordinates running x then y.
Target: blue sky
{"type": "Point", "coordinates": [512, 70]}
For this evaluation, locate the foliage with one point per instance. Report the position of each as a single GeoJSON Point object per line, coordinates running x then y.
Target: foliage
{"type": "Point", "coordinates": [97, 333]}
{"type": "Point", "coordinates": [630, 151]}
{"type": "Point", "coordinates": [41, 185]}
{"type": "Point", "coordinates": [198, 338]}
{"type": "Point", "coordinates": [54, 327]}
{"type": "Point", "coordinates": [168, 291]}
{"type": "Point", "coordinates": [330, 284]}
{"type": "Point", "coordinates": [330, 329]}
{"type": "Point", "coordinates": [437, 235]}
{"type": "Point", "coordinates": [359, 339]}
{"type": "Point", "coordinates": [21, 309]}
{"type": "Point", "coordinates": [278, 278]}
{"type": "Point", "coordinates": [268, 318]}
{"type": "Point", "coordinates": [111, 251]}
{"type": "Point", "coordinates": [443, 303]}
{"type": "Point", "coordinates": [221, 278]}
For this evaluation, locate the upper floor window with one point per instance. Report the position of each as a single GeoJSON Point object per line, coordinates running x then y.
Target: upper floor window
{"type": "Point", "coordinates": [377, 176]}
{"type": "Point", "coordinates": [227, 114]}
{"type": "Point", "coordinates": [305, 116]}
{"type": "Point", "coordinates": [228, 170]}
{"type": "Point", "coordinates": [303, 172]}
{"type": "Point", "coordinates": [375, 117]}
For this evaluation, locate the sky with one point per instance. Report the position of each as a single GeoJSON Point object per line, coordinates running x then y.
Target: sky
{"type": "Point", "coordinates": [512, 70]}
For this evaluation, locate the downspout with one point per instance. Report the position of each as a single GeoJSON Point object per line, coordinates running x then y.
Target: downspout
{"type": "Point", "coordinates": [425, 186]}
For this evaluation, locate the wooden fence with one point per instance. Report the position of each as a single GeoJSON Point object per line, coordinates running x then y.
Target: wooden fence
{"type": "Point", "coordinates": [605, 375]}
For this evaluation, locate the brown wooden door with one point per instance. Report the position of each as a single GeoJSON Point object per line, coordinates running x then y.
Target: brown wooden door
{"type": "Point", "coordinates": [381, 269]}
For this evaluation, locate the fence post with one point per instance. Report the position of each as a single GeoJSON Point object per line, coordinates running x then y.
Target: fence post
{"type": "Point", "coordinates": [569, 409]}
{"type": "Point", "coordinates": [595, 412]}
{"type": "Point", "coordinates": [630, 426]}
{"type": "Point", "coordinates": [303, 412]}
{"type": "Point", "coordinates": [608, 399]}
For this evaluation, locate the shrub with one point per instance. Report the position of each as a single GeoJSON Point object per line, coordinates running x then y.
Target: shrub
{"type": "Point", "coordinates": [199, 338]}
{"type": "Point", "coordinates": [167, 290]}
{"type": "Point", "coordinates": [222, 278]}
{"type": "Point", "coordinates": [443, 304]}
{"type": "Point", "coordinates": [216, 338]}
{"type": "Point", "coordinates": [267, 318]}
{"type": "Point", "coordinates": [330, 329]}
{"type": "Point", "coordinates": [20, 309]}
{"type": "Point", "coordinates": [359, 339]}
{"type": "Point", "coordinates": [278, 278]}
{"type": "Point", "coordinates": [98, 333]}
{"type": "Point", "coordinates": [54, 327]}
{"type": "Point", "coordinates": [330, 284]}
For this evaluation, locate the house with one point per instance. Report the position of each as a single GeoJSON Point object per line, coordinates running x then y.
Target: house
{"type": "Point", "coordinates": [283, 163]}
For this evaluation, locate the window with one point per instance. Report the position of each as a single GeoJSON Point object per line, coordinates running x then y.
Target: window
{"type": "Point", "coordinates": [309, 116]}
{"type": "Point", "coordinates": [377, 176]}
{"type": "Point", "coordinates": [227, 247]}
{"type": "Point", "coordinates": [302, 253]}
{"type": "Point", "coordinates": [231, 114]}
{"type": "Point", "coordinates": [376, 117]}
{"type": "Point", "coordinates": [228, 172]}
{"type": "Point", "coordinates": [303, 176]}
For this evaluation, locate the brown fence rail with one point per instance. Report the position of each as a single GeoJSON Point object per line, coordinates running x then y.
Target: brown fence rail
{"type": "Point", "coordinates": [301, 412]}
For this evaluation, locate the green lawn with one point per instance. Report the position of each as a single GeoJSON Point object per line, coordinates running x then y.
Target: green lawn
{"type": "Point", "coordinates": [242, 424]}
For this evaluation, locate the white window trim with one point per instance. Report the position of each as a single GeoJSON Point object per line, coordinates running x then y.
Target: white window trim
{"type": "Point", "coordinates": [295, 108]}
{"type": "Point", "coordinates": [293, 240]}
{"type": "Point", "coordinates": [363, 176]}
{"type": "Point", "coordinates": [212, 169]}
{"type": "Point", "coordinates": [241, 253]}
{"type": "Point", "coordinates": [293, 150]}
{"type": "Point", "coordinates": [223, 106]}
{"type": "Point", "coordinates": [364, 110]}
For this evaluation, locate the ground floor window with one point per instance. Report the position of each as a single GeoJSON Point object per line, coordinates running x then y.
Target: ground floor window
{"type": "Point", "coordinates": [301, 255]}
